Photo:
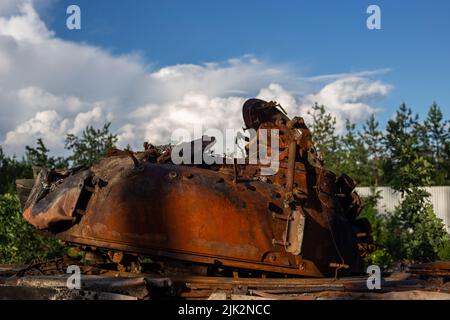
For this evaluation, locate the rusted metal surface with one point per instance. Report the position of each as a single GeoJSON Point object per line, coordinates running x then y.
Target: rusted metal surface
{"type": "Point", "coordinates": [440, 268]}
{"type": "Point", "coordinates": [303, 220]}
{"type": "Point", "coordinates": [54, 198]}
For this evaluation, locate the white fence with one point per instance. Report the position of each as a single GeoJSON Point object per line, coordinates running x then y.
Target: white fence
{"type": "Point", "coordinates": [440, 198]}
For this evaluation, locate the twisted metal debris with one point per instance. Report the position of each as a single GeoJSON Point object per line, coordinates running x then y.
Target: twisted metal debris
{"type": "Point", "coordinates": [302, 220]}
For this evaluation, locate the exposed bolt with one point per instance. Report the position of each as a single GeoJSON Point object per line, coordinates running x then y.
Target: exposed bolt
{"type": "Point", "coordinates": [339, 265]}
{"type": "Point", "coordinates": [281, 216]}
{"type": "Point", "coordinates": [361, 235]}
{"type": "Point", "coordinates": [173, 175]}
{"type": "Point", "coordinates": [280, 242]}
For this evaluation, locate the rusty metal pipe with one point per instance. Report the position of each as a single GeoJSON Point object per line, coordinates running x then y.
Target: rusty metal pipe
{"type": "Point", "coordinates": [236, 173]}
{"type": "Point", "coordinates": [290, 175]}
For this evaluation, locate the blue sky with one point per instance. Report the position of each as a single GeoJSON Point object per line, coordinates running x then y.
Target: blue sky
{"type": "Point", "coordinates": [152, 66]}
{"type": "Point", "coordinates": [313, 37]}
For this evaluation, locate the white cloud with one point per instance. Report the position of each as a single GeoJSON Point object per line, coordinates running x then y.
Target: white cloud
{"type": "Point", "coordinates": [95, 117]}
{"type": "Point", "coordinates": [348, 98]}
{"type": "Point", "coordinates": [26, 25]}
{"type": "Point", "coordinates": [50, 87]}
{"type": "Point", "coordinates": [369, 73]}
{"type": "Point", "coordinates": [48, 125]}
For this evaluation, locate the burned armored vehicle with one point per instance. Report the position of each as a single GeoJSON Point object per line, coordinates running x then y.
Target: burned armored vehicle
{"type": "Point", "coordinates": [302, 220]}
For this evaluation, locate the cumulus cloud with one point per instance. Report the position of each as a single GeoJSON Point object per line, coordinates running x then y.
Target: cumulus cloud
{"type": "Point", "coordinates": [50, 87]}
{"type": "Point", "coordinates": [47, 124]}
{"type": "Point", "coordinates": [348, 98]}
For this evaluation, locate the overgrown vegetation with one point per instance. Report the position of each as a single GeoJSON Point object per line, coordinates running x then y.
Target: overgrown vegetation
{"type": "Point", "coordinates": [20, 242]}
{"type": "Point", "coordinates": [409, 156]}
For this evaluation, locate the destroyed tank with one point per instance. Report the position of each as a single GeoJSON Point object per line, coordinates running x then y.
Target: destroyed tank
{"type": "Point", "coordinates": [302, 220]}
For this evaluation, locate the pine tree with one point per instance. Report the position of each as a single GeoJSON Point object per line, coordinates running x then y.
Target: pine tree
{"type": "Point", "coordinates": [372, 138]}
{"type": "Point", "coordinates": [436, 131]}
{"type": "Point", "coordinates": [323, 129]}
{"type": "Point", "coordinates": [405, 166]}
{"type": "Point", "coordinates": [414, 231]}
{"type": "Point", "coordinates": [93, 144]}
{"type": "Point", "coordinates": [352, 156]}
{"type": "Point", "coordinates": [39, 157]}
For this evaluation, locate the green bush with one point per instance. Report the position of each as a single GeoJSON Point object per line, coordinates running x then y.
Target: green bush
{"type": "Point", "coordinates": [412, 233]}
{"type": "Point", "coordinates": [444, 251]}
{"type": "Point", "coordinates": [420, 236]}
{"type": "Point", "coordinates": [381, 255]}
{"type": "Point", "coordinates": [19, 241]}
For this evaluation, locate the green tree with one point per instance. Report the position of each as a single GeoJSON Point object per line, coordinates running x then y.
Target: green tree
{"type": "Point", "coordinates": [93, 144]}
{"type": "Point", "coordinates": [353, 156]}
{"type": "Point", "coordinates": [341, 153]}
{"type": "Point", "coordinates": [39, 157]}
{"type": "Point", "coordinates": [413, 230]}
{"type": "Point", "coordinates": [446, 164]}
{"type": "Point", "coordinates": [10, 170]}
{"type": "Point", "coordinates": [437, 135]}
{"type": "Point", "coordinates": [372, 138]}
{"type": "Point", "coordinates": [326, 140]}
{"type": "Point", "coordinates": [405, 165]}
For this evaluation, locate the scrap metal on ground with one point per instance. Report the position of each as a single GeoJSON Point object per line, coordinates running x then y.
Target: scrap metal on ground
{"type": "Point", "coordinates": [49, 282]}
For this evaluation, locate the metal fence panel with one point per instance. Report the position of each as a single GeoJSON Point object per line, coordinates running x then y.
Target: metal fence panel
{"type": "Point", "coordinates": [440, 198]}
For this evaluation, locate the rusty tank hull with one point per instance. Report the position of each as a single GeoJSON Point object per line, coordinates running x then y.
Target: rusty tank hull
{"type": "Point", "coordinates": [300, 221]}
